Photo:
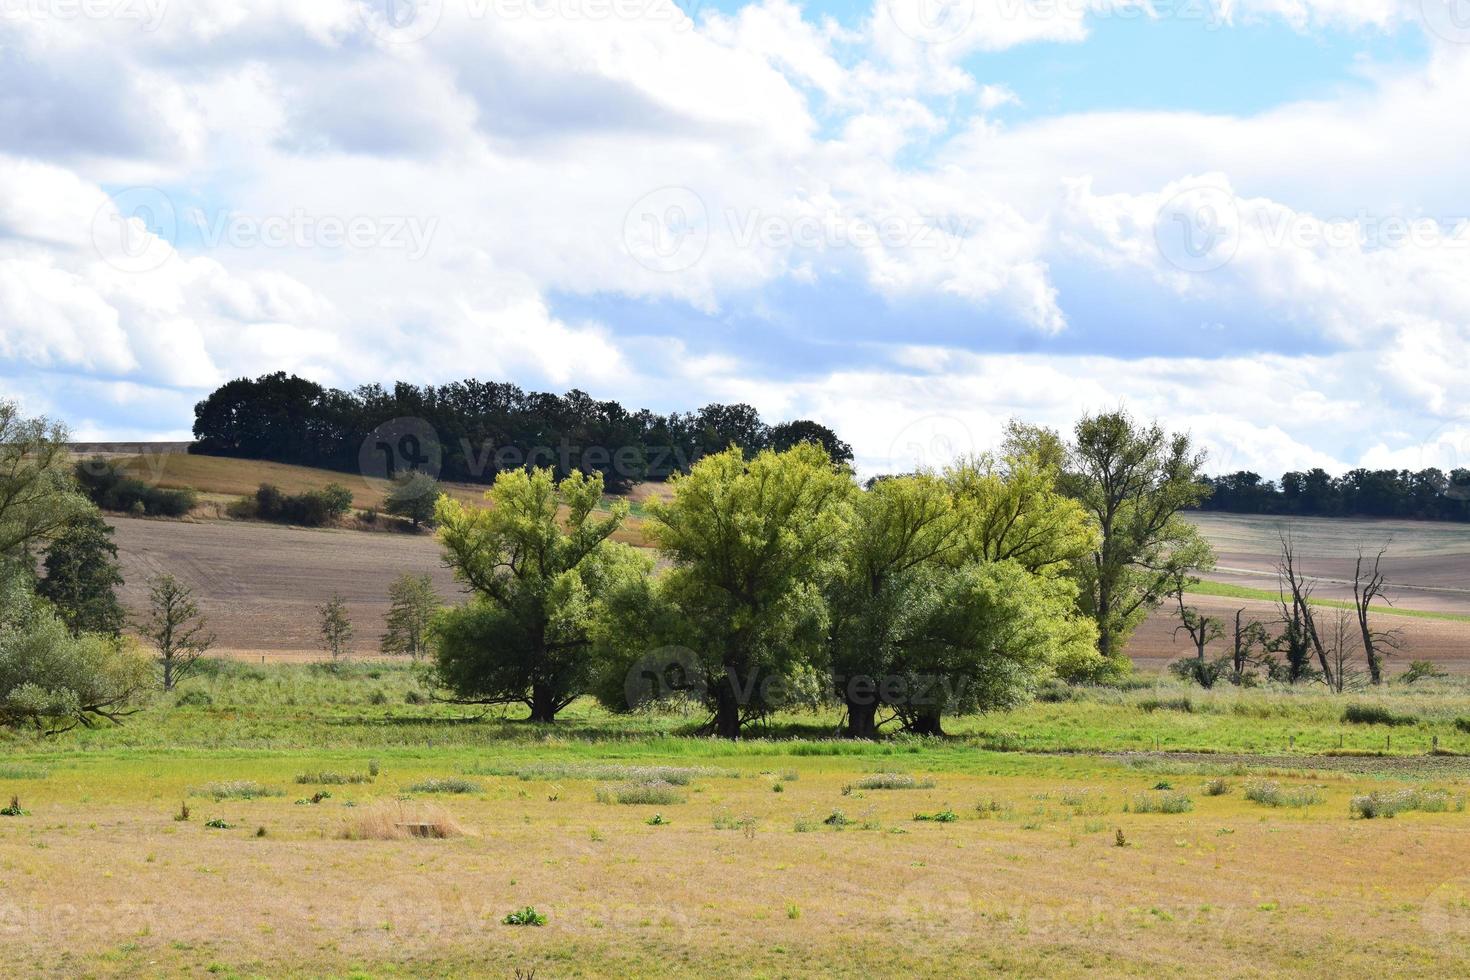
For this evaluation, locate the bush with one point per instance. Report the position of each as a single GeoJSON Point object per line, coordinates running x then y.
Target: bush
{"type": "Point", "coordinates": [943, 816]}
{"type": "Point", "coordinates": [1167, 704]}
{"type": "Point", "coordinates": [1386, 805]}
{"type": "Point", "coordinates": [1217, 787]}
{"type": "Point", "coordinates": [450, 785]}
{"type": "Point", "coordinates": [314, 508]}
{"type": "Point", "coordinates": [656, 792]}
{"type": "Point", "coordinates": [330, 778]}
{"type": "Point", "coordinates": [1462, 724]}
{"type": "Point", "coordinates": [110, 489]}
{"type": "Point", "coordinates": [893, 780]}
{"type": "Point", "coordinates": [1419, 670]}
{"type": "Point", "coordinates": [1372, 714]}
{"type": "Point", "coordinates": [1165, 801]}
{"type": "Point", "coordinates": [194, 699]}
{"type": "Point", "coordinates": [527, 916]}
{"type": "Point", "coordinates": [1270, 793]}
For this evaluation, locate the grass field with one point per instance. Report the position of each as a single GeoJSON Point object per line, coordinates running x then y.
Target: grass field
{"type": "Point", "coordinates": [1017, 867]}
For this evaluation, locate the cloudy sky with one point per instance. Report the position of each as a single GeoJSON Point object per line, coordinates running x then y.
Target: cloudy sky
{"type": "Point", "coordinates": [911, 220]}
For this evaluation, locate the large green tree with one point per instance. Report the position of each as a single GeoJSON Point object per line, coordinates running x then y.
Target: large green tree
{"type": "Point", "coordinates": [749, 542]}
{"type": "Point", "coordinates": [37, 495]}
{"type": "Point", "coordinates": [1133, 480]}
{"type": "Point", "coordinates": [82, 576]}
{"type": "Point", "coordinates": [539, 562]}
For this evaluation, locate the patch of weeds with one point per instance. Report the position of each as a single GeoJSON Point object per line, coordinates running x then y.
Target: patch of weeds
{"type": "Point", "coordinates": [790, 776]}
{"type": "Point", "coordinates": [1387, 805]}
{"type": "Point", "coordinates": [315, 798]}
{"type": "Point", "coordinates": [1271, 793]}
{"type": "Point", "coordinates": [14, 809]}
{"type": "Point", "coordinates": [793, 912]}
{"type": "Point", "coordinates": [893, 780]}
{"type": "Point", "coordinates": [218, 824]}
{"type": "Point", "coordinates": [451, 784]}
{"type": "Point", "coordinates": [236, 789]}
{"type": "Point", "coordinates": [183, 813]}
{"type": "Point", "coordinates": [657, 820]}
{"type": "Point", "coordinates": [1119, 840]}
{"type": "Point", "coordinates": [1085, 802]}
{"type": "Point", "coordinates": [1216, 787]}
{"type": "Point", "coordinates": [673, 775]}
{"type": "Point", "coordinates": [778, 788]}
{"type": "Point", "coordinates": [22, 772]}
{"type": "Point", "coordinates": [1166, 704]}
{"type": "Point", "coordinates": [803, 826]}
{"type": "Point", "coordinates": [194, 699]}
{"type": "Point", "coordinates": [1166, 801]}
{"type": "Point", "coordinates": [330, 778]}
{"type": "Point", "coordinates": [654, 792]}
{"type": "Point", "coordinates": [943, 816]}
{"type": "Point", "coordinates": [1372, 714]}
{"type": "Point", "coordinates": [527, 916]}
{"type": "Point", "coordinates": [838, 819]}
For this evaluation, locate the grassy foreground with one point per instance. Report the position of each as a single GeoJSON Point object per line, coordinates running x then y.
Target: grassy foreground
{"type": "Point", "coordinates": [787, 855]}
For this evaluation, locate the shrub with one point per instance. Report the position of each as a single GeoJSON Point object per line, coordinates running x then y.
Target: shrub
{"type": "Point", "coordinates": [1162, 801]}
{"type": "Point", "coordinates": [194, 699]}
{"type": "Point", "coordinates": [837, 819]}
{"type": "Point", "coordinates": [110, 489]}
{"type": "Point", "coordinates": [218, 824]}
{"type": "Point", "coordinates": [654, 792]}
{"type": "Point", "coordinates": [943, 816]}
{"type": "Point", "coordinates": [1419, 670]}
{"type": "Point", "coordinates": [1217, 787]}
{"type": "Point", "coordinates": [527, 916]}
{"type": "Point", "coordinates": [330, 778]}
{"type": "Point", "coordinates": [314, 508]}
{"type": "Point", "coordinates": [1270, 793]}
{"type": "Point", "coordinates": [893, 780]}
{"type": "Point", "coordinates": [14, 809]}
{"type": "Point", "coordinates": [1378, 804]}
{"type": "Point", "coordinates": [1462, 724]}
{"type": "Point", "coordinates": [1372, 714]}
{"type": "Point", "coordinates": [396, 821]}
{"type": "Point", "coordinates": [1166, 704]}
{"type": "Point", "coordinates": [452, 784]}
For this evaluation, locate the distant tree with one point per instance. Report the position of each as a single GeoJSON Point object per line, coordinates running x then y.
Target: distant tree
{"type": "Point", "coordinates": [1247, 636]}
{"type": "Point", "coordinates": [1202, 630]}
{"type": "Point", "coordinates": [82, 574]}
{"type": "Point", "coordinates": [537, 576]}
{"type": "Point", "coordinates": [788, 434]}
{"type": "Point", "coordinates": [175, 629]}
{"type": "Point", "coordinates": [412, 603]}
{"type": "Point", "coordinates": [336, 627]}
{"type": "Point", "coordinates": [414, 497]}
{"type": "Point", "coordinates": [37, 495]}
{"type": "Point", "coordinates": [1368, 586]}
{"type": "Point", "coordinates": [1133, 480]}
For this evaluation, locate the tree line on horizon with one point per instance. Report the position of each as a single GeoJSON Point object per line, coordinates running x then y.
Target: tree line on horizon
{"type": "Point", "coordinates": [1427, 494]}
{"type": "Point", "coordinates": [479, 429]}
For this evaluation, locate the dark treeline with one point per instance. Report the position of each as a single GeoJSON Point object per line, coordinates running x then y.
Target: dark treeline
{"type": "Point", "coordinates": [1429, 494]}
{"type": "Point", "coordinates": [471, 430]}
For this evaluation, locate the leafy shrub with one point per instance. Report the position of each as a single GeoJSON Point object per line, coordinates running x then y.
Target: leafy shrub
{"type": "Point", "coordinates": [527, 916]}
{"type": "Point", "coordinates": [14, 809]}
{"type": "Point", "coordinates": [943, 816]}
{"type": "Point", "coordinates": [1386, 805]}
{"type": "Point", "coordinates": [415, 697]}
{"type": "Point", "coordinates": [1372, 714]}
{"type": "Point", "coordinates": [837, 819]}
{"type": "Point", "coordinates": [1271, 793]}
{"type": "Point", "coordinates": [330, 778]}
{"type": "Point", "coordinates": [1205, 673]}
{"type": "Point", "coordinates": [893, 780]}
{"type": "Point", "coordinates": [1216, 787]}
{"type": "Point", "coordinates": [194, 699]}
{"type": "Point", "coordinates": [1166, 704]}
{"type": "Point", "coordinates": [218, 824]}
{"type": "Point", "coordinates": [654, 792]}
{"type": "Point", "coordinates": [452, 784]}
{"type": "Point", "coordinates": [314, 508]}
{"type": "Point", "coordinates": [1419, 670]}
{"type": "Point", "coordinates": [110, 489]}
{"type": "Point", "coordinates": [1161, 801]}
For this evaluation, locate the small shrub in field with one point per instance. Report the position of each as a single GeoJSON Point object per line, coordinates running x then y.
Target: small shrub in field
{"type": "Point", "coordinates": [194, 699]}
{"type": "Point", "coordinates": [1166, 704]}
{"type": "Point", "coordinates": [524, 917]}
{"type": "Point", "coordinates": [14, 809]}
{"type": "Point", "coordinates": [1270, 793]}
{"type": "Point", "coordinates": [838, 819]}
{"type": "Point", "coordinates": [414, 697]}
{"type": "Point", "coordinates": [804, 826]}
{"type": "Point", "coordinates": [451, 784]}
{"type": "Point", "coordinates": [943, 816]}
{"type": "Point", "coordinates": [329, 778]}
{"type": "Point", "coordinates": [1419, 670]}
{"type": "Point", "coordinates": [893, 780]}
{"type": "Point", "coordinates": [657, 820]}
{"type": "Point", "coordinates": [397, 821]}
{"type": "Point", "coordinates": [1165, 801]}
{"type": "Point", "coordinates": [1374, 805]}
{"type": "Point", "coordinates": [183, 813]}
{"type": "Point", "coordinates": [654, 792]}
{"type": "Point", "coordinates": [1372, 714]}
{"type": "Point", "coordinates": [1119, 840]}
{"type": "Point", "coordinates": [218, 824]}
{"type": "Point", "coordinates": [378, 697]}
{"type": "Point", "coordinates": [1085, 802]}
{"type": "Point", "coordinates": [236, 789]}
{"type": "Point", "coordinates": [1463, 725]}
{"type": "Point", "coordinates": [1216, 787]}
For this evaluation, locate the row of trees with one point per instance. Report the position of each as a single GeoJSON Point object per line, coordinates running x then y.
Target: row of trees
{"type": "Point", "coordinates": [1429, 494]}
{"type": "Point", "coordinates": [783, 582]}
{"type": "Point", "coordinates": [471, 430]}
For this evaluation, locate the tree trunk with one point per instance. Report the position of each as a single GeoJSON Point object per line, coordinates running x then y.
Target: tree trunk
{"type": "Point", "coordinates": [543, 705]}
{"type": "Point", "coordinates": [168, 673]}
{"type": "Point", "coordinates": [727, 714]}
{"type": "Point", "coordinates": [862, 719]}
{"type": "Point", "coordinates": [928, 723]}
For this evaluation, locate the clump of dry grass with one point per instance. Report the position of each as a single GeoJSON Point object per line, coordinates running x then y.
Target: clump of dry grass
{"type": "Point", "coordinates": [395, 820]}
{"type": "Point", "coordinates": [654, 792]}
{"type": "Point", "coordinates": [893, 780]}
{"type": "Point", "coordinates": [236, 789]}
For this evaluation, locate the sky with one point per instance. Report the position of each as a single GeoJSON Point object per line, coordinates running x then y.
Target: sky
{"type": "Point", "coordinates": [911, 220]}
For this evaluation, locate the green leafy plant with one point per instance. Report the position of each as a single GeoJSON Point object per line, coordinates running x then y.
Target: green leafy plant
{"type": "Point", "coordinates": [527, 916]}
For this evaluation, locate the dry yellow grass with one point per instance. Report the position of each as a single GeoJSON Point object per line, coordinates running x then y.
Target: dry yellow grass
{"type": "Point", "coordinates": [396, 820]}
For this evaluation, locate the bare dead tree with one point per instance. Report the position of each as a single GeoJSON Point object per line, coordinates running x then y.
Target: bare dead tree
{"type": "Point", "coordinates": [1301, 623]}
{"type": "Point", "coordinates": [1342, 651]}
{"type": "Point", "coordinates": [1368, 585]}
{"type": "Point", "coordinates": [1247, 636]}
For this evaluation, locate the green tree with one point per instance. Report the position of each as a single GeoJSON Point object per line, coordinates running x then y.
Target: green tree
{"type": "Point", "coordinates": [52, 680]}
{"type": "Point", "coordinates": [414, 496]}
{"type": "Point", "coordinates": [412, 603]}
{"type": "Point", "coordinates": [538, 563]}
{"type": "Point", "coordinates": [336, 626]}
{"type": "Point", "coordinates": [37, 493]}
{"type": "Point", "coordinates": [1133, 480]}
{"type": "Point", "coordinates": [750, 542]}
{"type": "Point", "coordinates": [82, 575]}
{"type": "Point", "coordinates": [175, 628]}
